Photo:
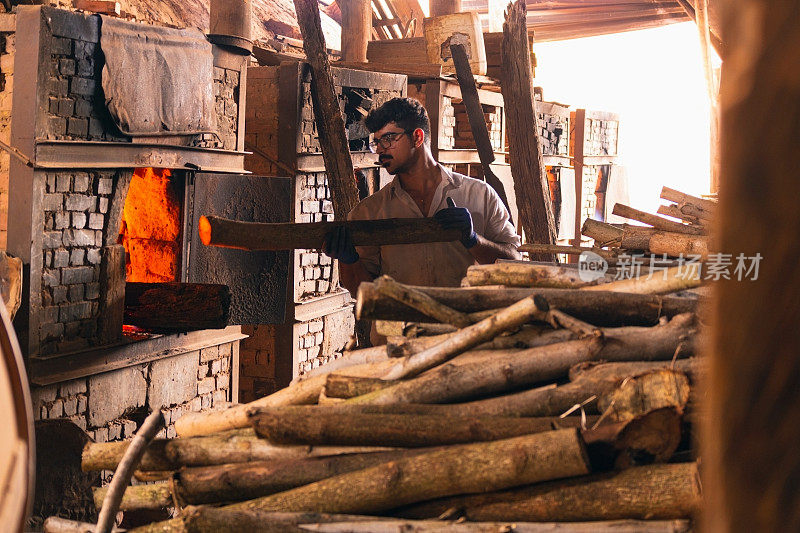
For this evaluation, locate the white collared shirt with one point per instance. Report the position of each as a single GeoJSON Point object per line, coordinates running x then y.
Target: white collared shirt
{"type": "Point", "coordinates": [441, 264]}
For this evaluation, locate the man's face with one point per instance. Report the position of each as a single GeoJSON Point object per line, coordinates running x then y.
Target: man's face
{"type": "Point", "coordinates": [396, 151]}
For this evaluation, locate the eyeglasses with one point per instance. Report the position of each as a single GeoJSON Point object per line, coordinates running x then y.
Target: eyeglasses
{"type": "Point", "coordinates": [387, 139]}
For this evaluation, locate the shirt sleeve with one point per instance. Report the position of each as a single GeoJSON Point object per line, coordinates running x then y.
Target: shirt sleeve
{"type": "Point", "coordinates": [498, 227]}
{"type": "Point", "coordinates": [370, 256]}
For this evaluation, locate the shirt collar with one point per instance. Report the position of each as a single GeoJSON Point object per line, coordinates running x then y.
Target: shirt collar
{"type": "Point", "coordinates": [455, 180]}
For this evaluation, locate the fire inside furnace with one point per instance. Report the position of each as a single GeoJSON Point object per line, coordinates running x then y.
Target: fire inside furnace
{"type": "Point", "coordinates": [151, 226]}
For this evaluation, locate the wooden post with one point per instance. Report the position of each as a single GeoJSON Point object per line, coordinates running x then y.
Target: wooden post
{"type": "Point", "coordinates": [444, 7]}
{"type": "Point", "coordinates": [754, 398]}
{"type": "Point", "coordinates": [525, 148]}
{"type": "Point", "coordinates": [356, 29]}
{"type": "Point", "coordinates": [327, 116]}
{"type": "Point", "coordinates": [578, 119]}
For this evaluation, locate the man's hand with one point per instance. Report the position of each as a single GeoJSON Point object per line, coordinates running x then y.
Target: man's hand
{"type": "Point", "coordinates": [339, 245]}
{"type": "Point", "coordinates": [459, 218]}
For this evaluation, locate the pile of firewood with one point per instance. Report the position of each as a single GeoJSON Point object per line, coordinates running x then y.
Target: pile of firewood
{"type": "Point", "coordinates": [526, 397]}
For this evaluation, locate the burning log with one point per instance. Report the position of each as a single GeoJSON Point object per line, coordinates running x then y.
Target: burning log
{"type": "Point", "coordinates": [458, 469]}
{"type": "Point", "coordinates": [177, 306]}
{"type": "Point", "coordinates": [524, 275]}
{"type": "Point", "coordinates": [600, 307]}
{"type": "Point", "coordinates": [216, 231]}
{"type": "Point", "coordinates": [664, 491]}
{"type": "Point", "coordinates": [294, 426]}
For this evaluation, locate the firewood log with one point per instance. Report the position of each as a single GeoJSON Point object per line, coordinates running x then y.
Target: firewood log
{"type": "Point", "coordinates": [290, 426]}
{"type": "Point", "coordinates": [601, 308]}
{"type": "Point", "coordinates": [513, 316]}
{"type": "Point", "coordinates": [662, 242]}
{"type": "Point", "coordinates": [244, 481]}
{"type": "Point", "coordinates": [239, 446]}
{"type": "Point", "coordinates": [339, 386]}
{"type": "Point", "coordinates": [673, 279]}
{"type": "Point", "coordinates": [653, 390]}
{"type": "Point", "coordinates": [372, 354]}
{"type": "Point", "coordinates": [705, 208]}
{"type": "Point", "coordinates": [656, 221]}
{"type": "Point", "coordinates": [687, 213]}
{"type": "Point", "coordinates": [217, 231]}
{"type": "Point", "coordinates": [524, 275]}
{"type": "Point", "coordinates": [421, 302]}
{"type": "Point", "coordinates": [693, 367]}
{"type": "Point", "coordinates": [661, 491]}
{"type": "Point", "coordinates": [458, 469]}
{"type": "Point", "coordinates": [608, 255]}
{"type": "Point", "coordinates": [450, 382]}
{"type": "Point", "coordinates": [438, 526]}
{"type": "Point", "coordinates": [602, 233]}
{"type": "Point", "coordinates": [177, 306]}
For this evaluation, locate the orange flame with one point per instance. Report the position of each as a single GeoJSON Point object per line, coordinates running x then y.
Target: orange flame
{"type": "Point", "coordinates": [151, 227]}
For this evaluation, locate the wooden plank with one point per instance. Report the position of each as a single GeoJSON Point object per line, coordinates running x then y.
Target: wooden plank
{"type": "Point", "coordinates": [425, 70]}
{"type": "Point", "coordinates": [469, 94]}
{"type": "Point", "coordinates": [103, 7]}
{"type": "Point", "coordinates": [412, 51]}
{"type": "Point", "coordinates": [525, 150]}
{"type": "Point", "coordinates": [578, 126]}
{"type": "Point", "coordinates": [327, 115]}
{"type": "Point", "coordinates": [112, 291]}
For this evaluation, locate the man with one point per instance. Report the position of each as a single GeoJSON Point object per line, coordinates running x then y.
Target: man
{"type": "Point", "coordinates": [422, 188]}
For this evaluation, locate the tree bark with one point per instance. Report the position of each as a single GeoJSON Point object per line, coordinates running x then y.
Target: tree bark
{"type": "Point", "coordinates": [525, 148]}
{"type": "Point", "coordinates": [327, 115]}
{"type": "Point", "coordinates": [451, 382]}
{"type": "Point", "coordinates": [243, 481]}
{"type": "Point", "coordinates": [600, 308]}
{"type": "Point", "coordinates": [239, 446]}
{"type": "Point", "coordinates": [421, 302]}
{"type": "Point", "coordinates": [177, 306]}
{"type": "Point", "coordinates": [673, 279]}
{"type": "Point", "coordinates": [660, 242]}
{"type": "Point", "coordinates": [439, 526]}
{"type": "Point", "coordinates": [217, 231]}
{"type": "Point", "coordinates": [571, 250]}
{"type": "Point", "coordinates": [703, 208]}
{"type": "Point", "coordinates": [693, 367]}
{"type": "Point", "coordinates": [638, 395]}
{"type": "Point", "coordinates": [686, 213]}
{"type": "Point", "coordinates": [656, 221]}
{"type": "Point", "coordinates": [293, 426]}
{"type": "Point", "coordinates": [506, 319]}
{"type": "Point", "coordinates": [339, 386]}
{"type": "Point", "coordinates": [603, 234]}
{"type": "Point", "coordinates": [665, 491]}
{"type": "Point", "coordinates": [524, 275]}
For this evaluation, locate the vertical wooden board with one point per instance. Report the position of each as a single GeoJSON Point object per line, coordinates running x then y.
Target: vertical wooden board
{"type": "Point", "coordinates": [459, 28]}
{"type": "Point", "coordinates": [112, 293]}
{"type": "Point", "coordinates": [525, 150]}
{"type": "Point", "coordinates": [356, 27]}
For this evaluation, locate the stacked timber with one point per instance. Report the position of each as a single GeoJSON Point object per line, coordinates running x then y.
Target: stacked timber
{"type": "Point", "coordinates": [503, 407]}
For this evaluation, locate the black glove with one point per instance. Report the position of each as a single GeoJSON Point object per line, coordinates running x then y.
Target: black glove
{"type": "Point", "coordinates": [459, 218]}
{"type": "Point", "coordinates": [339, 245]}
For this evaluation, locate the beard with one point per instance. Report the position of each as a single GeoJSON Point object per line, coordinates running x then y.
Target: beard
{"type": "Point", "coordinates": [389, 164]}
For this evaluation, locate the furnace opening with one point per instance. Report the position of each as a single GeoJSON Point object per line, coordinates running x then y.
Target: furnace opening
{"type": "Point", "coordinates": [152, 225]}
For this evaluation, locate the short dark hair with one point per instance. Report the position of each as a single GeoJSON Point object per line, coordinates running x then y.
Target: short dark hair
{"type": "Point", "coordinates": [407, 113]}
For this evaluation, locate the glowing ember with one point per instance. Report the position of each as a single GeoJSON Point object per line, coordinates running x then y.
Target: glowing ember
{"type": "Point", "coordinates": [151, 227]}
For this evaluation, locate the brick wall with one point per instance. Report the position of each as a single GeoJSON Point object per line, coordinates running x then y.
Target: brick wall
{"type": "Point", "coordinates": [7, 46]}
{"type": "Point", "coordinates": [75, 208]}
{"type": "Point", "coordinates": [261, 120]}
{"type": "Point", "coordinates": [553, 132]}
{"type": "Point", "coordinates": [601, 137]}
{"type": "Point", "coordinates": [110, 406]}
{"type": "Point", "coordinates": [226, 99]}
{"type": "Point", "coordinates": [462, 134]}
{"type": "Point", "coordinates": [314, 274]}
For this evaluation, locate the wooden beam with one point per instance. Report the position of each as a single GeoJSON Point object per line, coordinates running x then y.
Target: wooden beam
{"type": "Point", "coordinates": [327, 115]}
{"type": "Point", "coordinates": [444, 7]}
{"type": "Point", "coordinates": [525, 149]}
{"type": "Point", "coordinates": [356, 26]}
